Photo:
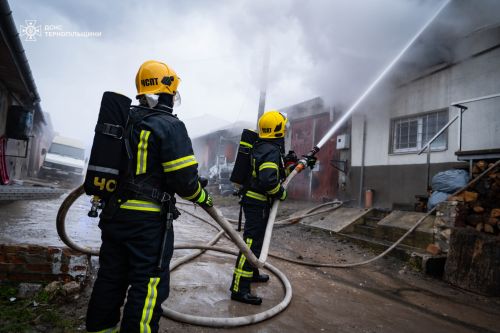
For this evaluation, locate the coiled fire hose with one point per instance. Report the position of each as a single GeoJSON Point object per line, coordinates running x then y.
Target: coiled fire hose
{"type": "Point", "coordinates": [224, 224]}
{"type": "Point", "coordinates": [197, 320]}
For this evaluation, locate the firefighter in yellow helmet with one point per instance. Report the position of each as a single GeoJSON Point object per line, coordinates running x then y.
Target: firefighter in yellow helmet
{"type": "Point", "coordinates": [268, 172]}
{"type": "Point", "coordinates": [136, 225]}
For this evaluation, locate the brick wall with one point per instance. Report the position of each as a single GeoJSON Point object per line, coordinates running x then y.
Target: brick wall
{"type": "Point", "coordinates": [34, 263]}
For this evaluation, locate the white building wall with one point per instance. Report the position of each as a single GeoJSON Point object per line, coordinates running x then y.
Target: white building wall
{"type": "Point", "coordinates": [479, 76]}
{"type": "Point", "coordinates": [474, 77]}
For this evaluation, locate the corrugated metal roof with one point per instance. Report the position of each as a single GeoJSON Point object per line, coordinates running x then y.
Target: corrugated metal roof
{"type": "Point", "coordinates": [15, 71]}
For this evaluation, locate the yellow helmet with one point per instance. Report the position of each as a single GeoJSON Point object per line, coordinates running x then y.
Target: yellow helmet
{"type": "Point", "coordinates": [272, 125]}
{"type": "Point", "coordinates": [155, 77]}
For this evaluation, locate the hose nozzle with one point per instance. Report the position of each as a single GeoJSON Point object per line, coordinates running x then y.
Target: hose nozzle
{"type": "Point", "coordinates": [313, 151]}
{"type": "Point", "coordinates": [307, 160]}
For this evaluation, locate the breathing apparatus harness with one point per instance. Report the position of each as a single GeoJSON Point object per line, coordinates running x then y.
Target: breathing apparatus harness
{"type": "Point", "coordinates": [127, 187]}
{"type": "Point", "coordinates": [111, 182]}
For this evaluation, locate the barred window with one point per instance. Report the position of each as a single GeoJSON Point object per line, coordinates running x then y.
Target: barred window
{"type": "Point", "coordinates": [410, 134]}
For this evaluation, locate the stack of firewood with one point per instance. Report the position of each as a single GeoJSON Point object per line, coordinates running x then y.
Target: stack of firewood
{"type": "Point", "coordinates": [480, 208]}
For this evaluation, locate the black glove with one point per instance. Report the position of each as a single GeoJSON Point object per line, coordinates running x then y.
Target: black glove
{"type": "Point", "coordinates": [291, 157]}
{"type": "Point", "coordinates": [205, 200]}
{"type": "Point", "coordinates": [203, 182]}
{"type": "Point", "coordinates": [290, 162]}
{"type": "Point", "coordinates": [310, 161]}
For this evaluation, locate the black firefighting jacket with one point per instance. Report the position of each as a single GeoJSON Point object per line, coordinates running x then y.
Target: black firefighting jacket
{"type": "Point", "coordinates": [267, 172]}
{"type": "Point", "coordinates": [163, 160]}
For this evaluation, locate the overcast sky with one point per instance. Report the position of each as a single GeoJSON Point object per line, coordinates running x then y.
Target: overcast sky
{"type": "Point", "coordinates": [331, 48]}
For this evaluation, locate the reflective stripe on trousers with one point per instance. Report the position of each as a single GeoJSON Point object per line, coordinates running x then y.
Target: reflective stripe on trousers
{"type": "Point", "coordinates": [149, 304]}
{"type": "Point", "coordinates": [128, 261]}
{"type": "Point", "coordinates": [239, 272]}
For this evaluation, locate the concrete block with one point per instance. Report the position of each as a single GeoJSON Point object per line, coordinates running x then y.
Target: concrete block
{"type": "Point", "coordinates": [27, 290]}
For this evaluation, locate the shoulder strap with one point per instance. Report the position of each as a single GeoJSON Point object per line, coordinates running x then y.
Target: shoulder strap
{"type": "Point", "coordinates": [134, 118]}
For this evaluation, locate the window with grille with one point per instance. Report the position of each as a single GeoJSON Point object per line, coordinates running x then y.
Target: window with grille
{"type": "Point", "coordinates": [410, 134]}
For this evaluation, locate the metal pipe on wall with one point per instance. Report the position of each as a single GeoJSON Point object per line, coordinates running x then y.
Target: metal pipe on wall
{"type": "Point", "coordinates": [362, 170]}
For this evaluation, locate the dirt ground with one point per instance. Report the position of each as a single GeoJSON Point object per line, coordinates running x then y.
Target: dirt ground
{"type": "Point", "coordinates": [386, 296]}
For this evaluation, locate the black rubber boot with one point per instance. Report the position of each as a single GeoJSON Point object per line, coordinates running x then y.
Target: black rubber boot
{"type": "Point", "coordinates": [260, 278]}
{"type": "Point", "coordinates": [246, 297]}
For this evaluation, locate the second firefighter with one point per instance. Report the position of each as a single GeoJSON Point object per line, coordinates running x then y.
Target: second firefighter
{"type": "Point", "coordinates": [268, 172]}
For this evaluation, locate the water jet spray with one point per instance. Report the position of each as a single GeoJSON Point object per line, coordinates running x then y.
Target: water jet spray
{"type": "Point", "coordinates": [302, 163]}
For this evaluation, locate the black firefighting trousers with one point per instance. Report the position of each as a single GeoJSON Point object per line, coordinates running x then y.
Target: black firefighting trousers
{"type": "Point", "coordinates": [129, 256]}
{"type": "Point", "coordinates": [256, 216]}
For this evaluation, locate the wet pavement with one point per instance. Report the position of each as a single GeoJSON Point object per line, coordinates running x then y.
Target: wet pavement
{"type": "Point", "coordinates": [34, 222]}
{"type": "Point", "coordinates": [386, 296]}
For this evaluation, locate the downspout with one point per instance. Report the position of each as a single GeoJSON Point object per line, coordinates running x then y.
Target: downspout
{"type": "Point", "coordinates": [362, 171]}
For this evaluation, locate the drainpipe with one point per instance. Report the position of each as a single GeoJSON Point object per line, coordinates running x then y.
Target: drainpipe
{"type": "Point", "coordinates": [362, 172]}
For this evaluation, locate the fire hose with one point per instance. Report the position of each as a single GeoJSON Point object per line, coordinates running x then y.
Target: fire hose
{"type": "Point", "coordinates": [197, 320]}
{"type": "Point", "coordinates": [226, 229]}
{"type": "Point", "coordinates": [224, 224]}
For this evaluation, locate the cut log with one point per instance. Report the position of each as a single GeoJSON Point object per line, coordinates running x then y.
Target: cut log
{"type": "Point", "coordinates": [483, 187]}
{"type": "Point", "coordinates": [478, 209]}
{"type": "Point", "coordinates": [433, 249]}
{"type": "Point", "coordinates": [497, 179]}
{"type": "Point", "coordinates": [481, 165]}
{"type": "Point", "coordinates": [474, 219]}
{"type": "Point", "coordinates": [480, 227]}
{"type": "Point", "coordinates": [473, 261]}
{"type": "Point", "coordinates": [469, 196]}
{"type": "Point", "coordinates": [459, 198]}
{"type": "Point", "coordinates": [495, 212]}
{"type": "Point", "coordinates": [489, 229]}
{"type": "Point", "coordinates": [492, 221]}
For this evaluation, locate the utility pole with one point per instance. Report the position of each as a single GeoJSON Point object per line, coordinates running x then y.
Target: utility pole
{"type": "Point", "coordinates": [263, 81]}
